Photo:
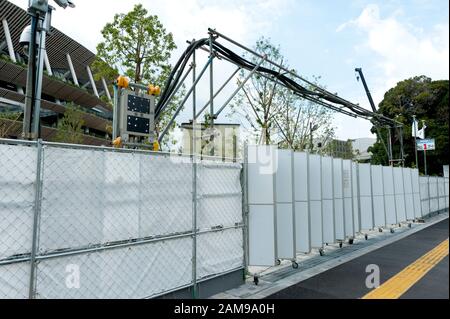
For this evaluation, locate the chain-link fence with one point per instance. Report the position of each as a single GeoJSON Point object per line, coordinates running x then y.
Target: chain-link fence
{"type": "Point", "coordinates": [92, 222]}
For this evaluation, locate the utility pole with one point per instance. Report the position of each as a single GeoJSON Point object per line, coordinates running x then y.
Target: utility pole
{"type": "Point", "coordinates": [415, 140]}
{"type": "Point", "coordinates": [424, 151]}
{"type": "Point", "coordinates": [425, 160]}
{"type": "Point", "coordinates": [40, 12]}
{"type": "Point", "coordinates": [391, 162]}
{"type": "Point", "coordinates": [312, 128]}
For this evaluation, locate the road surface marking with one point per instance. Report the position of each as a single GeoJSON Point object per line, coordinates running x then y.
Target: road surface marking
{"type": "Point", "coordinates": [396, 286]}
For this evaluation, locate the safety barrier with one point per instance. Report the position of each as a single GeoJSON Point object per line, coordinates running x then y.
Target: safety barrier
{"type": "Point", "coordinates": [434, 195]}
{"type": "Point", "coordinates": [301, 201]}
{"type": "Point", "coordinates": [96, 222]}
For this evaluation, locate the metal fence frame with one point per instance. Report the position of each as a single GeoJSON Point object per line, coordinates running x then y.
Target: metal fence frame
{"type": "Point", "coordinates": [35, 257]}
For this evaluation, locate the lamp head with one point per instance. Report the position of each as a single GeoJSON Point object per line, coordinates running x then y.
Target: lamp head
{"type": "Point", "coordinates": [65, 3]}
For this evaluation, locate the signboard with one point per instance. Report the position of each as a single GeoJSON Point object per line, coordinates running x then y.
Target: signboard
{"type": "Point", "coordinates": [426, 145]}
{"type": "Point", "coordinates": [137, 116]}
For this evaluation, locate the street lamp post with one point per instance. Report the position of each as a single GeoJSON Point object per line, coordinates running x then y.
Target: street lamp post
{"type": "Point", "coordinates": [415, 140]}
{"type": "Point", "coordinates": [40, 12]}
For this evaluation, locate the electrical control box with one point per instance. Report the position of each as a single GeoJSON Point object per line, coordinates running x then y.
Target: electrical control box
{"type": "Point", "coordinates": [137, 117]}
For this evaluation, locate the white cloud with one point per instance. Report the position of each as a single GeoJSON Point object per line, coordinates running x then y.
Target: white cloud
{"type": "Point", "coordinates": [244, 21]}
{"type": "Point", "coordinates": [187, 19]}
{"type": "Point", "coordinates": [402, 50]}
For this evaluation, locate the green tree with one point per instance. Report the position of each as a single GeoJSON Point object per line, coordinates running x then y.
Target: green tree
{"type": "Point", "coordinates": [297, 118]}
{"type": "Point", "coordinates": [274, 114]}
{"type": "Point", "coordinates": [70, 126]}
{"type": "Point", "coordinates": [339, 149]}
{"type": "Point", "coordinates": [428, 100]}
{"type": "Point", "coordinates": [138, 44]}
{"type": "Point", "coordinates": [258, 102]}
{"type": "Point", "coordinates": [12, 121]}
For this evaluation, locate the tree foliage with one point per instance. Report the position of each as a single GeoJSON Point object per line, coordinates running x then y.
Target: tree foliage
{"type": "Point", "coordinates": [341, 149]}
{"type": "Point", "coordinates": [428, 100]}
{"type": "Point", "coordinates": [70, 126]}
{"type": "Point", "coordinates": [297, 118]}
{"type": "Point", "coordinates": [10, 125]}
{"type": "Point", "coordinates": [274, 114]}
{"type": "Point", "coordinates": [138, 44]}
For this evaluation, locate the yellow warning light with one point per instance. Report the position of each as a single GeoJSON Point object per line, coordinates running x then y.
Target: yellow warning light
{"type": "Point", "coordinates": [123, 82]}
{"type": "Point", "coordinates": [156, 146]}
{"type": "Point", "coordinates": [117, 142]}
{"type": "Point", "coordinates": [154, 90]}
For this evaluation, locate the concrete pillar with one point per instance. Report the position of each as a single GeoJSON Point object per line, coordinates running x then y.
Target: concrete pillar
{"type": "Point", "coordinates": [91, 79]}
{"type": "Point", "coordinates": [105, 86]}
{"type": "Point", "coordinates": [10, 46]}
{"type": "Point", "coordinates": [12, 56]}
{"type": "Point", "coordinates": [47, 64]}
{"type": "Point", "coordinates": [72, 70]}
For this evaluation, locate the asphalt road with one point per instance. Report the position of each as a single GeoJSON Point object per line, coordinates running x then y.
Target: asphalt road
{"type": "Point", "coordinates": [348, 281]}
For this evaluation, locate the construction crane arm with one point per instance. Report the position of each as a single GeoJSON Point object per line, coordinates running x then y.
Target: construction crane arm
{"type": "Point", "coordinates": [369, 96]}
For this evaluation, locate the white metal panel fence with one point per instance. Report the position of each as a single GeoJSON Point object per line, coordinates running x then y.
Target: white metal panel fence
{"type": "Point", "coordinates": [425, 194]}
{"type": "Point", "coordinates": [365, 197]}
{"type": "Point", "coordinates": [261, 183]}
{"type": "Point", "coordinates": [379, 211]}
{"type": "Point", "coordinates": [285, 205]}
{"type": "Point", "coordinates": [389, 195]}
{"type": "Point", "coordinates": [315, 201]}
{"type": "Point", "coordinates": [338, 183]}
{"type": "Point", "coordinates": [409, 196]}
{"type": "Point", "coordinates": [348, 198]}
{"type": "Point", "coordinates": [355, 194]}
{"type": "Point", "coordinates": [334, 200]}
{"type": "Point", "coordinates": [303, 242]}
{"type": "Point", "coordinates": [399, 188]}
{"type": "Point", "coordinates": [329, 235]}
{"type": "Point", "coordinates": [416, 193]}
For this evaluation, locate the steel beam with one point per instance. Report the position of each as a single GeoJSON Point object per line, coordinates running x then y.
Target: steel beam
{"type": "Point", "coordinates": [185, 99]}
{"type": "Point", "coordinates": [239, 88]}
{"type": "Point", "coordinates": [319, 89]}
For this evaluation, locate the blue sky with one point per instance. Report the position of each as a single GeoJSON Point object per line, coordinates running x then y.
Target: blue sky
{"type": "Point", "coordinates": [391, 40]}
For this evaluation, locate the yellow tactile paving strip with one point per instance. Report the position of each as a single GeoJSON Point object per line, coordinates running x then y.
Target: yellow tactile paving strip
{"type": "Point", "coordinates": [396, 286]}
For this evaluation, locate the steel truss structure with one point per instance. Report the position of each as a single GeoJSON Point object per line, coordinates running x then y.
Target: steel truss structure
{"type": "Point", "coordinates": [284, 77]}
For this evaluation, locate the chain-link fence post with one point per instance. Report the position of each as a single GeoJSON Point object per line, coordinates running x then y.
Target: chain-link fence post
{"type": "Point", "coordinates": [245, 210]}
{"type": "Point", "coordinates": [37, 209]}
{"type": "Point", "coordinates": [194, 226]}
